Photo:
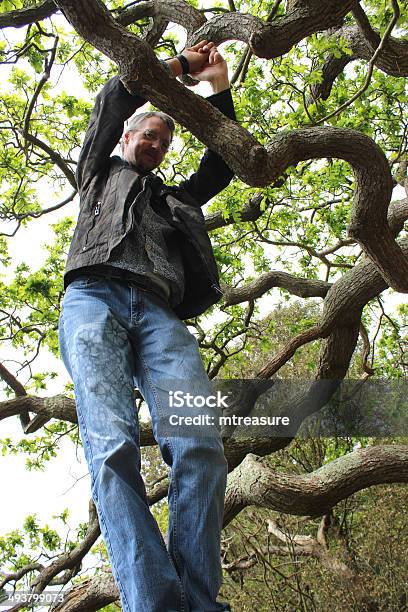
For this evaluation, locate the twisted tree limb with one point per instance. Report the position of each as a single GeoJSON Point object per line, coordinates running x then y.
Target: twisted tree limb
{"type": "Point", "coordinates": [345, 299]}
{"type": "Point", "coordinates": [315, 493]}
{"type": "Point", "coordinates": [351, 293]}
{"type": "Point", "coordinates": [381, 45]}
{"type": "Point", "coordinates": [269, 40]}
{"type": "Point", "coordinates": [176, 11]}
{"type": "Point", "coordinates": [392, 59]}
{"type": "Point", "coordinates": [266, 40]}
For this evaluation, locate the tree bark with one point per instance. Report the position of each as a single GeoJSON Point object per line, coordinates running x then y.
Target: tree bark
{"type": "Point", "coordinates": [313, 494]}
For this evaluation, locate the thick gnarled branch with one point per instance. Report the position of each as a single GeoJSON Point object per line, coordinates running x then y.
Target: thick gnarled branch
{"type": "Point", "coordinates": [315, 493]}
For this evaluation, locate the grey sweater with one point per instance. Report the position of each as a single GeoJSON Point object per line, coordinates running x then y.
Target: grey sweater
{"type": "Point", "coordinates": [151, 250]}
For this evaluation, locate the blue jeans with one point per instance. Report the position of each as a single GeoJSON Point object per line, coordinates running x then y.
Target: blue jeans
{"type": "Point", "coordinates": [114, 337]}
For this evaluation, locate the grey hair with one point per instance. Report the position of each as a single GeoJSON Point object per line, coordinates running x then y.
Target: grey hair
{"type": "Point", "coordinates": [135, 122]}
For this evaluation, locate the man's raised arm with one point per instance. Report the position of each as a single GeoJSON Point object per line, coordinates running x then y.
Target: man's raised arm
{"type": "Point", "coordinates": [213, 174]}
{"type": "Point", "coordinates": [113, 105]}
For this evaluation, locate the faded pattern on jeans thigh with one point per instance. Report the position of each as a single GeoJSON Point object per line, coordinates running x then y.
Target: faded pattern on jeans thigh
{"type": "Point", "coordinates": [100, 361]}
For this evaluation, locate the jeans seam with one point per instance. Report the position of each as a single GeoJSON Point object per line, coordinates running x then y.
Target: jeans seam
{"type": "Point", "coordinates": [96, 500]}
{"type": "Point", "coordinates": [112, 556]}
{"type": "Point", "coordinates": [174, 513]}
{"type": "Point", "coordinates": [160, 411]}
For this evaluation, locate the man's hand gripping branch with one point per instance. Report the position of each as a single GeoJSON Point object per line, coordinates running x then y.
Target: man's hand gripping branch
{"type": "Point", "coordinates": [203, 62]}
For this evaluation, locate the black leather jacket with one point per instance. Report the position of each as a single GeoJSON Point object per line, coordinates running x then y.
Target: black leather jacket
{"type": "Point", "coordinates": [107, 183]}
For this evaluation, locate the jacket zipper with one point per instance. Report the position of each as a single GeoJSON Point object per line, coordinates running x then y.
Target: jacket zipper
{"type": "Point", "coordinates": [97, 210]}
{"type": "Point", "coordinates": [217, 288]}
{"type": "Point", "coordinates": [137, 199]}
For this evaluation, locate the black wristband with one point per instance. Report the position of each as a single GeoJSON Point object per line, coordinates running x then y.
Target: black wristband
{"type": "Point", "coordinates": [185, 66]}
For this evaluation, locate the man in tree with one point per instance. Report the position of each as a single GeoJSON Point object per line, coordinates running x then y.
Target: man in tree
{"type": "Point", "coordinates": [139, 262]}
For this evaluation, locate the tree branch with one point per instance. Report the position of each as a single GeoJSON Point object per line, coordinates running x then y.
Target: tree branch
{"type": "Point", "coordinates": [54, 156]}
{"type": "Point", "coordinates": [393, 58]}
{"type": "Point", "coordinates": [44, 78]}
{"type": "Point", "coordinates": [315, 493]}
{"type": "Point", "coordinates": [371, 64]}
{"type": "Point", "coordinates": [269, 40]}
{"type": "Point", "coordinates": [25, 16]}
{"type": "Point", "coordinates": [250, 212]}
{"type": "Point", "coordinates": [90, 595]}
{"type": "Point", "coordinates": [311, 547]}
{"type": "Point", "coordinates": [12, 381]}
{"type": "Point", "coordinates": [67, 560]}
{"type": "Point", "coordinates": [44, 211]}
{"type": "Point", "coordinates": [176, 11]}
{"type": "Point", "coordinates": [18, 389]}
{"type": "Point", "coordinates": [301, 287]}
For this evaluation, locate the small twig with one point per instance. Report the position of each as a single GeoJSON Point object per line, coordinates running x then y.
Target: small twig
{"type": "Point", "coordinates": [44, 211]}
{"type": "Point", "coordinates": [44, 78]}
{"type": "Point", "coordinates": [273, 10]}
{"type": "Point", "coordinates": [55, 157]}
{"type": "Point", "coordinates": [371, 64]}
{"type": "Point", "coordinates": [21, 572]}
{"type": "Point", "coordinates": [243, 64]}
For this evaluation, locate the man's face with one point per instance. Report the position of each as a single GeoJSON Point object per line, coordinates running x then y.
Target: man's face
{"type": "Point", "coordinates": [146, 146]}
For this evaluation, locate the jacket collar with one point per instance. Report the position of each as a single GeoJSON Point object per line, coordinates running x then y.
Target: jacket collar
{"type": "Point", "coordinates": [154, 181]}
